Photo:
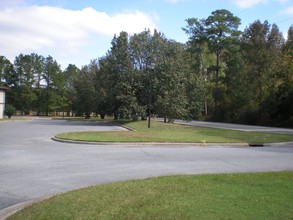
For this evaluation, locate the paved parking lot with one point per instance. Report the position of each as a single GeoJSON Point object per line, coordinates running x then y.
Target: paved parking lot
{"type": "Point", "coordinates": [33, 166]}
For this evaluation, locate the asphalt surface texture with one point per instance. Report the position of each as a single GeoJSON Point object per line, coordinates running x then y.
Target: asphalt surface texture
{"type": "Point", "coordinates": [237, 127]}
{"type": "Point", "coordinates": [33, 166]}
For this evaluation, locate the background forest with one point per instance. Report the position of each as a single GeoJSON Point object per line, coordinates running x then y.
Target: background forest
{"type": "Point", "coordinates": [220, 74]}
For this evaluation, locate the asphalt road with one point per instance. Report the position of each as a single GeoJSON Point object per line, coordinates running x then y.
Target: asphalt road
{"type": "Point", "coordinates": [33, 166]}
{"type": "Point", "coordinates": [237, 127]}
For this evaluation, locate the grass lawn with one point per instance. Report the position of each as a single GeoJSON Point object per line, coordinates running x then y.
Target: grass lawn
{"type": "Point", "coordinates": [163, 132]}
{"type": "Point", "coordinates": [219, 196]}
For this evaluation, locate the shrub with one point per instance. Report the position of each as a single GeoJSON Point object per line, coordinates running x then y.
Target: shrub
{"type": "Point", "coordinates": [9, 110]}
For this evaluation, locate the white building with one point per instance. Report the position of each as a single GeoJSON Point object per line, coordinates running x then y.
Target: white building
{"type": "Point", "coordinates": [2, 102]}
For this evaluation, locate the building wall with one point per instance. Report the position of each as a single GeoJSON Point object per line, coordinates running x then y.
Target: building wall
{"type": "Point", "coordinates": [2, 103]}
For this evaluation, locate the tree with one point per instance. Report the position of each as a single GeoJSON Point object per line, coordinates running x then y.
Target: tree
{"type": "Point", "coordinates": [53, 78]}
{"type": "Point", "coordinates": [159, 79]}
{"type": "Point", "coordinates": [261, 47]}
{"type": "Point", "coordinates": [7, 73]}
{"type": "Point", "coordinates": [37, 64]}
{"type": "Point", "coordinates": [71, 73]}
{"type": "Point", "coordinates": [25, 81]}
{"type": "Point", "coordinates": [142, 57]}
{"type": "Point", "coordinates": [219, 30]}
{"type": "Point", "coordinates": [283, 97]}
{"type": "Point", "coordinates": [6, 68]}
{"type": "Point", "coordinates": [122, 77]}
{"type": "Point", "coordinates": [200, 61]}
{"type": "Point", "coordinates": [170, 80]}
{"type": "Point", "coordinates": [85, 90]}
{"type": "Point", "coordinates": [289, 43]}
{"type": "Point", "coordinates": [103, 88]}
{"type": "Point", "coordinates": [237, 103]}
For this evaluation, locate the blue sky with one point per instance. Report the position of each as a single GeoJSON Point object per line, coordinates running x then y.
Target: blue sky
{"type": "Point", "coordinates": [76, 31]}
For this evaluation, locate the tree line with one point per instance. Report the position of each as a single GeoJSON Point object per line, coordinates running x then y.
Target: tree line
{"type": "Point", "coordinates": [220, 74]}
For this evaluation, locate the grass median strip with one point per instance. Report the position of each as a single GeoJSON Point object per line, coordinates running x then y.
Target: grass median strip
{"type": "Point", "coordinates": [217, 196]}
{"type": "Point", "coordinates": [174, 133]}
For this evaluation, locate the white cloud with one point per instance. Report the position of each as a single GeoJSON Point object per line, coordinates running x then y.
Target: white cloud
{"type": "Point", "coordinates": [247, 3]}
{"type": "Point", "coordinates": [288, 11]}
{"type": "Point", "coordinates": [67, 32]}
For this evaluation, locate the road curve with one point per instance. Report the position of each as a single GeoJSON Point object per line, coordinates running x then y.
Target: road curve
{"type": "Point", "coordinates": [32, 166]}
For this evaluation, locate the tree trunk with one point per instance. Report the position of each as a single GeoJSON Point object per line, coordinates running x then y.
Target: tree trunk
{"type": "Point", "coordinates": [217, 80]}
{"type": "Point", "coordinates": [205, 105]}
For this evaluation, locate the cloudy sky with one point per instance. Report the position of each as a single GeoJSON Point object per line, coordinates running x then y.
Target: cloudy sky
{"type": "Point", "coordinates": [76, 31]}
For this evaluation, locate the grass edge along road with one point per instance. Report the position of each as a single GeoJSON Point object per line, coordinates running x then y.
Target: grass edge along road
{"type": "Point", "coordinates": [174, 133]}
{"type": "Point", "coordinates": [209, 196]}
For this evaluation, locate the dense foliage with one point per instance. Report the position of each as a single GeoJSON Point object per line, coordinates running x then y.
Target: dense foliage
{"type": "Point", "coordinates": [220, 74]}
